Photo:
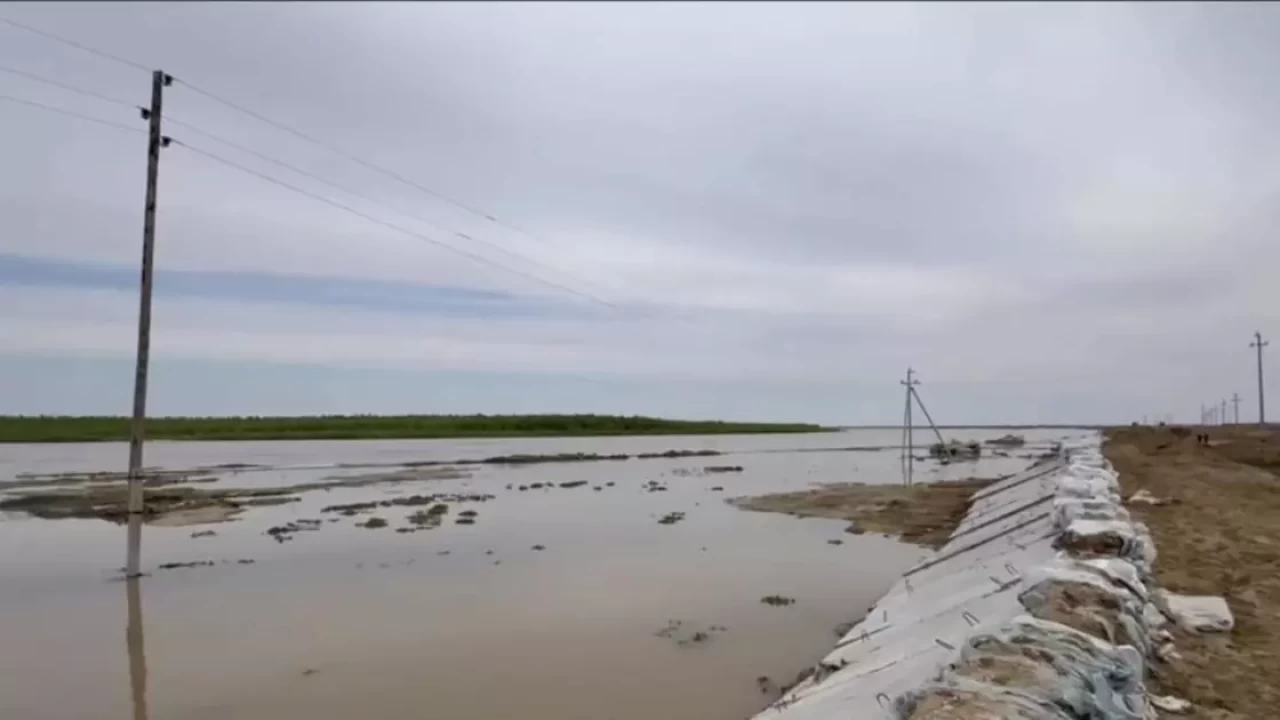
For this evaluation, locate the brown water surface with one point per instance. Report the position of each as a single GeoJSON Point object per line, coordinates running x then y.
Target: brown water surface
{"type": "Point", "coordinates": [461, 622]}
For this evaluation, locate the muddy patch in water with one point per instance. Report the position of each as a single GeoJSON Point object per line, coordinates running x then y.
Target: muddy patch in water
{"type": "Point", "coordinates": [922, 514]}
{"type": "Point", "coordinates": [175, 506]}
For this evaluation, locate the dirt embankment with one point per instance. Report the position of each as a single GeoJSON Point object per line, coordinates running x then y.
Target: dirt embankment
{"type": "Point", "coordinates": [921, 514]}
{"type": "Point", "coordinates": [1219, 535]}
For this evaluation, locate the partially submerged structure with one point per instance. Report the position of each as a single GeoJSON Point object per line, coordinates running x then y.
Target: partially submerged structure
{"type": "Point", "coordinates": [1009, 440]}
{"type": "Point", "coordinates": [956, 450]}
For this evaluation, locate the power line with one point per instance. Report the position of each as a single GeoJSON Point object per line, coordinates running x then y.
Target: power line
{"type": "Point", "coordinates": [267, 158]}
{"type": "Point", "coordinates": [359, 161]}
{"type": "Point", "coordinates": [303, 136]}
{"type": "Point", "coordinates": [71, 113]}
{"type": "Point", "coordinates": [280, 163]}
{"type": "Point", "coordinates": [352, 158]}
{"type": "Point", "coordinates": [392, 226]}
{"type": "Point", "coordinates": [74, 44]}
{"type": "Point", "coordinates": [64, 86]}
{"type": "Point", "coordinates": [262, 118]}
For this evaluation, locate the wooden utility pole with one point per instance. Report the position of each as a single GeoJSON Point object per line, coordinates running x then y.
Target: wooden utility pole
{"type": "Point", "coordinates": [908, 430]}
{"type": "Point", "coordinates": [1235, 400]}
{"type": "Point", "coordinates": [137, 649]}
{"type": "Point", "coordinates": [1223, 415]}
{"type": "Point", "coordinates": [1259, 343]}
{"type": "Point", "coordinates": [159, 80]}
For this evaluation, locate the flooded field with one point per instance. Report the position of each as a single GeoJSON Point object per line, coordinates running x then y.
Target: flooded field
{"type": "Point", "coordinates": [622, 588]}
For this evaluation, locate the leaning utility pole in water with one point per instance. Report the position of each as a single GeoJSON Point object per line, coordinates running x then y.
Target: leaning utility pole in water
{"type": "Point", "coordinates": [1259, 343]}
{"type": "Point", "coordinates": [159, 80]}
{"type": "Point", "coordinates": [908, 430]}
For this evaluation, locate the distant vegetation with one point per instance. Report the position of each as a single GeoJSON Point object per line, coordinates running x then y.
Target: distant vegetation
{"type": "Point", "coordinates": [30, 429]}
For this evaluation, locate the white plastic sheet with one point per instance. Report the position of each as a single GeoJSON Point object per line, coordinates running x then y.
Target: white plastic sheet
{"type": "Point", "coordinates": [1198, 613]}
{"type": "Point", "coordinates": [973, 596]}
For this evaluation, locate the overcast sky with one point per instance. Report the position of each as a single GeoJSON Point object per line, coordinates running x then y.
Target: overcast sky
{"type": "Point", "coordinates": [1055, 213]}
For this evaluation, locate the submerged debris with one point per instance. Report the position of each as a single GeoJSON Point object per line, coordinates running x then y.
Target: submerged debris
{"type": "Point", "coordinates": [777, 600]}
{"type": "Point", "coordinates": [439, 500]}
{"type": "Point", "coordinates": [956, 450]}
{"type": "Point", "coordinates": [679, 454]}
{"type": "Point", "coordinates": [1008, 441]}
{"type": "Point", "coordinates": [722, 468]}
{"type": "Point", "coordinates": [192, 564]}
{"type": "Point", "coordinates": [283, 533]}
{"type": "Point", "coordinates": [671, 518]}
{"type": "Point", "coordinates": [685, 636]}
{"type": "Point", "coordinates": [561, 457]}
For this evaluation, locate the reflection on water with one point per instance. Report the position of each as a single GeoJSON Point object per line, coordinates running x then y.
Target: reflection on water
{"type": "Point", "coordinates": [465, 622]}
{"type": "Point", "coordinates": [137, 648]}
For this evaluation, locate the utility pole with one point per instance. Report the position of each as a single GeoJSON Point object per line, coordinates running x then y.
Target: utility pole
{"type": "Point", "coordinates": [908, 430]}
{"type": "Point", "coordinates": [1224, 411]}
{"type": "Point", "coordinates": [1259, 343]}
{"type": "Point", "coordinates": [1235, 400]}
{"type": "Point", "coordinates": [159, 80]}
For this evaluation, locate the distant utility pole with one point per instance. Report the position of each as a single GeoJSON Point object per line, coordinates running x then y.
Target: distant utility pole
{"type": "Point", "coordinates": [1204, 415]}
{"type": "Point", "coordinates": [1235, 400]}
{"type": "Point", "coordinates": [159, 80]}
{"type": "Point", "coordinates": [908, 431]}
{"type": "Point", "coordinates": [1224, 411]}
{"type": "Point", "coordinates": [1259, 343]}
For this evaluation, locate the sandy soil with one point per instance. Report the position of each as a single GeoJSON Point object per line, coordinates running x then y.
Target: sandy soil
{"type": "Point", "coordinates": [922, 514]}
{"type": "Point", "coordinates": [1219, 536]}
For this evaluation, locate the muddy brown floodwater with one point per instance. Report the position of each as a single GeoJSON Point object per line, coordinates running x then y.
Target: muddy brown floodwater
{"type": "Point", "coordinates": [561, 594]}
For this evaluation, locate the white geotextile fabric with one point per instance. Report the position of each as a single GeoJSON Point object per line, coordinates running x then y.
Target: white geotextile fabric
{"type": "Point", "coordinates": [1132, 539]}
{"type": "Point", "coordinates": [1199, 613]}
{"type": "Point", "coordinates": [1067, 510]}
{"type": "Point", "coordinates": [1070, 675]}
{"type": "Point", "coordinates": [972, 600]}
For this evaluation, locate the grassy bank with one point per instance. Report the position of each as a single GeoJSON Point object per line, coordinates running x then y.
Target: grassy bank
{"type": "Point", "coordinates": [32, 429]}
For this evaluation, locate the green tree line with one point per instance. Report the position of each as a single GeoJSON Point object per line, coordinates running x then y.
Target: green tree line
{"type": "Point", "coordinates": [50, 428]}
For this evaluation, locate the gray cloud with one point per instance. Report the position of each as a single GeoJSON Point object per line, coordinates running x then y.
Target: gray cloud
{"type": "Point", "coordinates": [1032, 196]}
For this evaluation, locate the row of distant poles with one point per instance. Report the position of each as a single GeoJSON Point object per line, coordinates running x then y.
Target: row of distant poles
{"type": "Point", "coordinates": [908, 429]}
{"type": "Point", "coordinates": [1216, 413]}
